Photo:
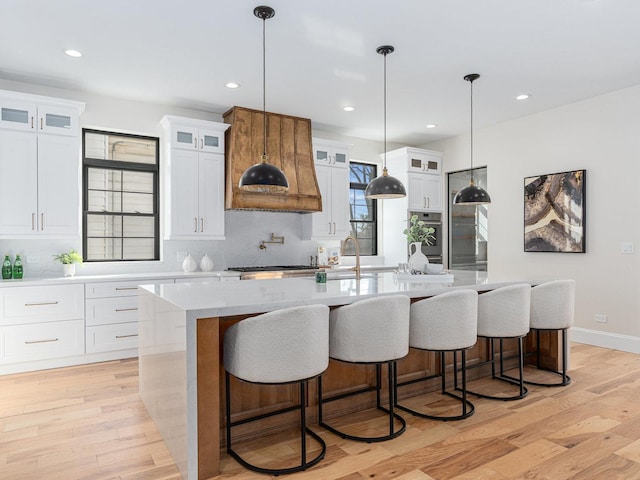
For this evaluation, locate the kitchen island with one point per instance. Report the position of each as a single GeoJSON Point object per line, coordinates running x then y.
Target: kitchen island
{"type": "Point", "coordinates": [181, 327]}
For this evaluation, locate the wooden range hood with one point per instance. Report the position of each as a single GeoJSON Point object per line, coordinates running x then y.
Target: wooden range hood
{"type": "Point", "coordinates": [288, 148]}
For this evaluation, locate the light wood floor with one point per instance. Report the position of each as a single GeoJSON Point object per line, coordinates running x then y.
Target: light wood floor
{"type": "Point", "coordinates": [88, 422]}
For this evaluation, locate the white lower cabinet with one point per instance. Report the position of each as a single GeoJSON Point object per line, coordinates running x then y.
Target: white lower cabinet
{"type": "Point", "coordinates": [40, 341]}
{"type": "Point", "coordinates": [111, 314]}
{"type": "Point", "coordinates": [108, 338]}
{"type": "Point", "coordinates": [42, 322]}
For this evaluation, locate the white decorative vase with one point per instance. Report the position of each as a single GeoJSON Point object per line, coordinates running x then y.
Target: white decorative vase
{"type": "Point", "coordinates": [417, 260]}
{"type": "Point", "coordinates": [206, 264]}
{"type": "Point", "coordinates": [69, 269]}
{"type": "Point", "coordinates": [189, 264]}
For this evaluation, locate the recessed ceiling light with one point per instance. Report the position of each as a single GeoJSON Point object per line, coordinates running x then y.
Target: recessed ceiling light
{"type": "Point", "coordinates": [523, 96]}
{"type": "Point", "coordinates": [432, 125]}
{"type": "Point", "coordinates": [348, 108]}
{"type": "Point", "coordinates": [73, 53]}
{"type": "Point", "coordinates": [231, 85]}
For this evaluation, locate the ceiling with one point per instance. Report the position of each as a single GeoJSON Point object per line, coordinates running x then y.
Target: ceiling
{"type": "Point", "coordinates": [321, 56]}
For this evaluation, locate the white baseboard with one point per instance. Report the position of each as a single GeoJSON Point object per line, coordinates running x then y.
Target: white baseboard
{"type": "Point", "coordinates": [21, 367]}
{"type": "Point", "coordinates": [615, 341]}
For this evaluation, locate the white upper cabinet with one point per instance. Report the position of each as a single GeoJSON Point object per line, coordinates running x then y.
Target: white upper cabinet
{"type": "Point", "coordinates": [421, 172]}
{"type": "Point", "coordinates": [326, 152]}
{"type": "Point", "coordinates": [26, 114]}
{"type": "Point", "coordinates": [194, 179]}
{"type": "Point", "coordinates": [39, 167]}
{"type": "Point", "coordinates": [191, 134]}
{"type": "Point", "coordinates": [424, 192]}
{"type": "Point", "coordinates": [332, 172]}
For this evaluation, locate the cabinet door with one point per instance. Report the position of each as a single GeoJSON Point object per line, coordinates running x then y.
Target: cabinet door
{"type": "Point", "coordinates": [322, 225]}
{"type": "Point", "coordinates": [58, 186]}
{"type": "Point", "coordinates": [17, 115]}
{"type": "Point", "coordinates": [184, 193]}
{"type": "Point", "coordinates": [59, 120]}
{"type": "Point", "coordinates": [211, 195]}
{"type": "Point", "coordinates": [340, 157]}
{"type": "Point", "coordinates": [433, 192]}
{"type": "Point", "coordinates": [184, 137]}
{"type": "Point", "coordinates": [18, 183]}
{"type": "Point", "coordinates": [322, 155]}
{"type": "Point", "coordinates": [211, 141]}
{"type": "Point", "coordinates": [416, 191]}
{"type": "Point", "coordinates": [340, 202]}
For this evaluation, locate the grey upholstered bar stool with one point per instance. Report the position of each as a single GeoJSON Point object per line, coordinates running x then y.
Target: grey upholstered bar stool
{"type": "Point", "coordinates": [370, 331]}
{"type": "Point", "coordinates": [279, 347]}
{"type": "Point", "coordinates": [444, 323]}
{"type": "Point", "coordinates": [504, 313]}
{"type": "Point", "coordinates": [552, 308]}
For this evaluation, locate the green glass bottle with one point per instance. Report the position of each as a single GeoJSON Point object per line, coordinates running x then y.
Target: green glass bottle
{"type": "Point", "coordinates": [17, 267]}
{"type": "Point", "coordinates": [6, 268]}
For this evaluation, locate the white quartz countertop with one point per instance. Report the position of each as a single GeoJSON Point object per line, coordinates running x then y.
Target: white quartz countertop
{"type": "Point", "coordinates": [211, 299]}
{"type": "Point", "coordinates": [145, 277]}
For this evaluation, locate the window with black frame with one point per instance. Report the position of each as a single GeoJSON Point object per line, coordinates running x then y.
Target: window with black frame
{"type": "Point", "coordinates": [364, 225]}
{"type": "Point", "coordinates": [120, 197]}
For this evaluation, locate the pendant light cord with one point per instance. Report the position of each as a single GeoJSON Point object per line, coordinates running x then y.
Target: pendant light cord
{"type": "Point", "coordinates": [385, 113]}
{"type": "Point", "coordinates": [264, 89]}
{"type": "Point", "coordinates": [471, 82]}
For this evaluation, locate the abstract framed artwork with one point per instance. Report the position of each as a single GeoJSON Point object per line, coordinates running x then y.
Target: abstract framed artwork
{"type": "Point", "coordinates": [554, 212]}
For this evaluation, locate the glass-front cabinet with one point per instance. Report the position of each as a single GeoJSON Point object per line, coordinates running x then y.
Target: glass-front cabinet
{"type": "Point", "coordinates": [54, 119]}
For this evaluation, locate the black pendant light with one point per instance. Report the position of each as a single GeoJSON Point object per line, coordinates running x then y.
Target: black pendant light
{"type": "Point", "coordinates": [264, 177]}
{"type": "Point", "coordinates": [385, 186]}
{"type": "Point", "coordinates": [472, 194]}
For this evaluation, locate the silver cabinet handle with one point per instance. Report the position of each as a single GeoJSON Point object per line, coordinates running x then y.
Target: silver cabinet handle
{"type": "Point", "coordinates": [329, 228]}
{"type": "Point", "coordinates": [40, 304]}
{"type": "Point", "coordinates": [30, 342]}
{"type": "Point", "coordinates": [428, 202]}
{"type": "Point", "coordinates": [201, 224]}
{"type": "Point", "coordinates": [127, 336]}
{"type": "Point", "coordinates": [334, 228]}
{"type": "Point", "coordinates": [42, 221]}
{"type": "Point", "coordinates": [41, 123]}
{"type": "Point", "coordinates": [195, 143]}
{"type": "Point", "coordinates": [126, 309]}
{"type": "Point", "coordinates": [424, 202]}
{"type": "Point", "coordinates": [31, 121]}
{"type": "Point", "coordinates": [195, 225]}
{"type": "Point", "coordinates": [126, 288]}
{"type": "Point", "coordinates": [201, 144]}
{"type": "Point", "coordinates": [33, 221]}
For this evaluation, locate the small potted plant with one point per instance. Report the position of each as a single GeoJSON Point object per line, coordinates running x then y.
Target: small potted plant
{"type": "Point", "coordinates": [69, 260]}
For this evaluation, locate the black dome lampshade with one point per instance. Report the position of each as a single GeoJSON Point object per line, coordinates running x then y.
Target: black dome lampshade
{"type": "Point", "coordinates": [385, 186]}
{"type": "Point", "coordinates": [472, 194]}
{"type": "Point", "coordinates": [264, 177]}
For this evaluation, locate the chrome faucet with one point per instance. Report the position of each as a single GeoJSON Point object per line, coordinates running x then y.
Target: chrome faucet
{"type": "Point", "coordinates": [344, 244]}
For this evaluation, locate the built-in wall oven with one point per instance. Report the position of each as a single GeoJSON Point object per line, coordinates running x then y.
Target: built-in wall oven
{"type": "Point", "coordinates": [434, 220]}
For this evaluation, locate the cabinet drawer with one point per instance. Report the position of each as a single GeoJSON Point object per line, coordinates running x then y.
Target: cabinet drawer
{"type": "Point", "coordinates": [102, 311]}
{"type": "Point", "coordinates": [127, 288]}
{"type": "Point", "coordinates": [42, 304]}
{"type": "Point", "coordinates": [40, 341]}
{"type": "Point", "coordinates": [106, 338]}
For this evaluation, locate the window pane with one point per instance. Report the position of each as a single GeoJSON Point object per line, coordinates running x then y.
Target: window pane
{"type": "Point", "coordinates": [138, 249]}
{"type": "Point", "coordinates": [104, 225]}
{"type": "Point", "coordinates": [104, 249]}
{"type": "Point", "coordinates": [141, 182]}
{"type": "Point", "coordinates": [103, 179]}
{"type": "Point", "coordinates": [58, 121]}
{"type": "Point", "coordinates": [102, 201]}
{"type": "Point", "coordinates": [121, 148]}
{"type": "Point", "coordinates": [137, 202]}
{"type": "Point", "coordinates": [138, 227]}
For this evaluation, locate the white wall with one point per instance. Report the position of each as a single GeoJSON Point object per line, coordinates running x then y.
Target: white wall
{"type": "Point", "coordinates": [601, 135]}
{"type": "Point", "coordinates": [244, 230]}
